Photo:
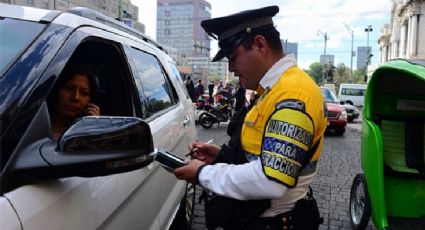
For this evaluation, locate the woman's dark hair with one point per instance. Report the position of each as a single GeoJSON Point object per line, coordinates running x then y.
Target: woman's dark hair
{"type": "Point", "coordinates": [271, 35]}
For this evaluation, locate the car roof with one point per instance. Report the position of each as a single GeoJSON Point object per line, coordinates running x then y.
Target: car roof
{"type": "Point", "coordinates": [75, 17]}
{"type": "Point", "coordinates": [26, 13]}
{"type": "Point", "coordinates": [353, 85]}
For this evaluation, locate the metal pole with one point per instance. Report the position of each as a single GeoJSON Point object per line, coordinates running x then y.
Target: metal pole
{"type": "Point", "coordinates": [351, 65]}
{"type": "Point", "coordinates": [368, 29]}
{"type": "Point", "coordinates": [325, 36]}
{"type": "Point", "coordinates": [351, 54]}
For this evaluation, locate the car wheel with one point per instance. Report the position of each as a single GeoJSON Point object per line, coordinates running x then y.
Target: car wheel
{"type": "Point", "coordinates": [339, 132]}
{"type": "Point", "coordinates": [184, 216]}
{"type": "Point", "coordinates": [205, 121]}
{"type": "Point", "coordinates": [359, 203]}
{"type": "Point", "coordinates": [349, 102]}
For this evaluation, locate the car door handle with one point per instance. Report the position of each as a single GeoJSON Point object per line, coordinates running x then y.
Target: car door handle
{"type": "Point", "coordinates": [186, 122]}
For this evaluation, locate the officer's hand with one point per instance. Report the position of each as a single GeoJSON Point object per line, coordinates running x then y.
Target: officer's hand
{"type": "Point", "coordinates": [203, 151]}
{"type": "Point", "coordinates": [189, 171]}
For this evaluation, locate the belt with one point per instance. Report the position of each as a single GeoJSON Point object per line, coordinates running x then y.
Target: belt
{"type": "Point", "coordinates": [282, 221]}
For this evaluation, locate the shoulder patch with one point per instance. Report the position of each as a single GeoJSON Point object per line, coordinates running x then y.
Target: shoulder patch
{"type": "Point", "coordinates": [291, 103]}
{"type": "Point", "coordinates": [288, 136]}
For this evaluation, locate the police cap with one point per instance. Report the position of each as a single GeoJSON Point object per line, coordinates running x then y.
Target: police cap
{"type": "Point", "coordinates": [231, 30]}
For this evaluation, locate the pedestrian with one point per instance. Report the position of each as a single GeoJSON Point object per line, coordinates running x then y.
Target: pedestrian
{"type": "Point", "coordinates": [240, 96]}
{"type": "Point", "coordinates": [218, 89]}
{"type": "Point", "coordinates": [190, 87]}
{"type": "Point", "coordinates": [261, 179]}
{"type": "Point", "coordinates": [210, 92]}
{"type": "Point", "coordinates": [199, 89]}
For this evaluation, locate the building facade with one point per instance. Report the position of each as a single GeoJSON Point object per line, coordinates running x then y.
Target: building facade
{"type": "Point", "coordinates": [122, 10]}
{"type": "Point", "coordinates": [201, 68]}
{"type": "Point", "coordinates": [404, 37]}
{"type": "Point", "coordinates": [179, 26]}
{"type": "Point", "coordinates": [327, 59]}
{"type": "Point", "coordinates": [363, 53]}
{"type": "Point", "coordinates": [290, 47]}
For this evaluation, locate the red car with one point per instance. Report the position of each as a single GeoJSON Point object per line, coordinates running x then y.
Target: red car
{"type": "Point", "coordinates": [337, 118]}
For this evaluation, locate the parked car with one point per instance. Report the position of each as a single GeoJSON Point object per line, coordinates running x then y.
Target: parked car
{"type": "Point", "coordinates": [100, 174]}
{"type": "Point", "coordinates": [336, 113]}
{"type": "Point", "coordinates": [352, 111]}
{"type": "Point", "coordinates": [352, 94]}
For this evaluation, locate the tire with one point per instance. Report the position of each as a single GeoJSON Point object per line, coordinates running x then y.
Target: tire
{"type": "Point", "coordinates": [360, 207]}
{"type": "Point", "coordinates": [349, 102]}
{"type": "Point", "coordinates": [205, 121]}
{"type": "Point", "coordinates": [184, 216]}
{"type": "Point", "coordinates": [340, 132]}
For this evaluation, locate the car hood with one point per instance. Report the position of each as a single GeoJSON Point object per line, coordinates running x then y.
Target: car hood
{"type": "Point", "coordinates": [334, 107]}
{"type": "Point", "coordinates": [352, 107]}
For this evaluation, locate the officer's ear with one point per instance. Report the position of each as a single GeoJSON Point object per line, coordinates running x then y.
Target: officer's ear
{"type": "Point", "coordinates": [260, 44]}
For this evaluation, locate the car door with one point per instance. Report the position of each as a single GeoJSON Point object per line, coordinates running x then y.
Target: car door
{"type": "Point", "coordinates": [133, 200]}
{"type": "Point", "coordinates": [167, 116]}
{"type": "Point", "coordinates": [8, 213]}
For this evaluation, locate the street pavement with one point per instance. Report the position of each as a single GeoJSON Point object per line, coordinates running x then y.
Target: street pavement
{"type": "Point", "coordinates": [337, 167]}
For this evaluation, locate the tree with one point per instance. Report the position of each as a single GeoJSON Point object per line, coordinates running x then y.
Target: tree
{"type": "Point", "coordinates": [316, 72]}
{"type": "Point", "coordinates": [213, 77]}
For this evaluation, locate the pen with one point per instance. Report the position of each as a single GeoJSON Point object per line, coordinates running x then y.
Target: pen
{"type": "Point", "coordinates": [210, 141]}
{"type": "Point", "coordinates": [195, 149]}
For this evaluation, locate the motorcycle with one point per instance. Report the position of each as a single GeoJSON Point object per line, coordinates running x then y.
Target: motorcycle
{"type": "Point", "coordinates": [222, 112]}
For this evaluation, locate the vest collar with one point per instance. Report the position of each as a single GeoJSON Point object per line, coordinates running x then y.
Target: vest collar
{"type": "Point", "coordinates": [274, 73]}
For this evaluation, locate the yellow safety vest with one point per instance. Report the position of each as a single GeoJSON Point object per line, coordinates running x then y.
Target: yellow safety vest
{"type": "Point", "coordinates": [286, 121]}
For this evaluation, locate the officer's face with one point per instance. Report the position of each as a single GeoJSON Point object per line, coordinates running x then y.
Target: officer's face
{"type": "Point", "coordinates": [247, 64]}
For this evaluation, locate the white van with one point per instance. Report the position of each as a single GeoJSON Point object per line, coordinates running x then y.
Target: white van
{"type": "Point", "coordinates": [352, 94]}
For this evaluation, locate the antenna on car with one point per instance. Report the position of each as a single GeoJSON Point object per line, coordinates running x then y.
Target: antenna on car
{"type": "Point", "coordinates": [99, 17]}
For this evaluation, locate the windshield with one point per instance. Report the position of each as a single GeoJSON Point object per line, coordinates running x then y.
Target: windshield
{"type": "Point", "coordinates": [15, 36]}
{"type": "Point", "coordinates": [329, 96]}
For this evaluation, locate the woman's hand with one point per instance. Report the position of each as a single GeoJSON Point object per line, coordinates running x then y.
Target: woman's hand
{"type": "Point", "coordinates": [92, 110]}
{"type": "Point", "coordinates": [203, 151]}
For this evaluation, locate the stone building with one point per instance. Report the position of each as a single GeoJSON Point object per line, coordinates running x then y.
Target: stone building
{"type": "Point", "coordinates": [404, 37]}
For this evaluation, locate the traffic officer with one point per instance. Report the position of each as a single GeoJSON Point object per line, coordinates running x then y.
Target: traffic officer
{"type": "Point", "coordinates": [281, 136]}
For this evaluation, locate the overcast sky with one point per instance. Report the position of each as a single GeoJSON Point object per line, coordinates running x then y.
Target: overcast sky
{"type": "Point", "coordinates": [300, 20]}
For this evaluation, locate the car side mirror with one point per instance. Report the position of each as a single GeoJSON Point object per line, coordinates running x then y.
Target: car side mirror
{"type": "Point", "coordinates": [93, 146]}
{"type": "Point", "coordinates": [106, 134]}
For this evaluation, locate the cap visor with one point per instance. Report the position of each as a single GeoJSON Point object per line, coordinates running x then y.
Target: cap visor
{"type": "Point", "coordinates": [220, 55]}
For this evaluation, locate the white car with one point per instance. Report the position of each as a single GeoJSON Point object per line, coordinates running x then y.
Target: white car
{"type": "Point", "coordinates": [352, 94]}
{"type": "Point", "coordinates": [101, 173]}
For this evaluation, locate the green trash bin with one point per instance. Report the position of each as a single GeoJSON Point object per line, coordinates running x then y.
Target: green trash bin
{"type": "Point", "coordinates": [392, 188]}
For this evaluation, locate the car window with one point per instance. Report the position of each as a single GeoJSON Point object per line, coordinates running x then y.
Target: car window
{"type": "Point", "coordinates": [353, 92]}
{"type": "Point", "coordinates": [329, 95]}
{"type": "Point", "coordinates": [16, 35]}
{"type": "Point", "coordinates": [176, 74]}
{"type": "Point", "coordinates": [156, 91]}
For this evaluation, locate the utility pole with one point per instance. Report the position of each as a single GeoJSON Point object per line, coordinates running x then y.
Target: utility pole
{"type": "Point", "coordinates": [119, 2]}
{"type": "Point", "coordinates": [208, 57]}
{"type": "Point", "coordinates": [352, 53]}
{"type": "Point", "coordinates": [369, 55]}
{"type": "Point", "coordinates": [325, 36]}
